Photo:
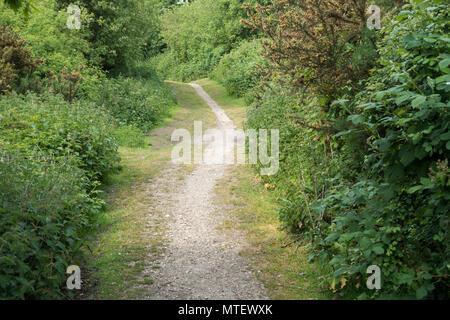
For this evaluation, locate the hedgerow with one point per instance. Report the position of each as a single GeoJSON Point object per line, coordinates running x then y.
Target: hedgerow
{"type": "Point", "coordinates": [45, 213]}
{"type": "Point", "coordinates": [364, 172]}
{"type": "Point", "coordinates": [52, 156]}
{"type": "Point", "coordinates": [236, 70]}
{"type": "Point", "coordinates": [50, 124]}
{"type": "Point", "coordinates": [59, 137]}
{"type": "Point", "coordinates": [198, 35]}
{"type": "Point", "coordinates": [117, 32]}
{"type": "Point", "coordinates": [136, 101]}
{"type": "Point", "coordinates": [397, 215]}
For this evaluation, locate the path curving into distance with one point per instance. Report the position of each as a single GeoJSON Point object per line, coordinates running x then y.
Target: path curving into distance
{"type": "Point", "coordinates": [200, 261]}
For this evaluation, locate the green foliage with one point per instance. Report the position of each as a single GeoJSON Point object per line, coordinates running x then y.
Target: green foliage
{"type": "Point", "coordinates": [50, 124]}
{"type": "Point", "coordinates": [130, 137]}
{"type": "Point", "coordinates": [397, 215]}
{"type": "Point", "coordinates": [24, 5]}
{"type": "Point", "coordinates": [118, 31]}
{"type": "Point", "coordinates": [44, 215]}
{"type": "Point", "coordinates": [15, 60]}
{"type": "Point", "coordinates": [138, 102]}
{"type": "Point", "coordinates": [169, 66]}
{"type": "Point", "coordinates": [61, 51]}
{"type": "Point", "coordinates": [320, 45]}
{"type": "Point", "coordinates": [236, 70]}
{"type": "Point", "coordinates": [47, 34]}
{"type": "Point", "coordinates": [306, 160]}
{"type": "Point", "coordinates": [58, 143]}
{"type": "Point", "coordinates": [197, 35]}
{"type": "Point", "coordinates": [52, 156]}
{"type": "Point", "coordinates": [365, 178]}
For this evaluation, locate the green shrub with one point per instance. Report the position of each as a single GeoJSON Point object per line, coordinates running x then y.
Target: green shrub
{"type": "Point", "coordinates": [236, 69]}
{"type": "Point", "coordinates": [15, 60]}
{"type": "Point", "coordinates": [170, 66]}
{"type": "Point", "coordinates": [197, 35]}
{"type": "Point", "coordinates": [51, 124]}
{"type": "Point", "coordinates": [45, 213]}
{"type": "Point", "coordinates": [131, 137]}
{"type": "Point", "coordinates": [46, 33]}
{"type": "Point", "coordinates": [366, 178]}
{"type": "Point", "coordinates": [305, 161]}
{"type": "Point", "coordinates": [396, 215]}
{"type": "Point", "coordinates": [61, 52]}
{"type": "Point", "coordinates": [139, 102]}
{"type": "Point", "coordinates": [118, 32]}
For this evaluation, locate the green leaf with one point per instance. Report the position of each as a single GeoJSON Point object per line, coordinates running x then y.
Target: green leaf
{"type": "Point", "coordinates": [365, 243]}
{"type": "Point", "coordinates": [445, 136]}
{"type": "Point", "coordinates": [336, 260]}
{"type": "Point", "coordinates": [411, 41]}
{"type": "Point", "coordinates": [414, 189]}
{"type": "Point", "coordinates": [417, 102]}
{"type": "Point", "coordinates": [405, 278]}
{"type": "Point", "coordinates": [421, 293]}
{"type": "Point", "coordinates": [378, 249]}
{"type": "Point", "coordinates": [402, 98]}
{"type": "Point", "coordinates": [356, 118]}
{"type": "Point", "coordinates": [444, 78]}
{"type": "Point", "coordinates": [406, 155]}
{"type": "Point", "coordinates": [444, 63]}
{"type": "Point", "coordinates": [346, 236]}
{"type": "Point", "coordinates": [384, 144]}
{"type": "Point", "coordinates": [395, 172]}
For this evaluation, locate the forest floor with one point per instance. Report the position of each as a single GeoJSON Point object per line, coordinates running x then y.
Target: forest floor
{"type": "Point", "coordinates": [195, 231]}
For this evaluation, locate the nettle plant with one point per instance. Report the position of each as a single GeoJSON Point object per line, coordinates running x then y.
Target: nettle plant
{"type": "Point", "coordinates": [397, 215]}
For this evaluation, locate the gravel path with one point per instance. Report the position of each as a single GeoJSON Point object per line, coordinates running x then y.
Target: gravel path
{"type": "Point", "coordinates": [200, 262]}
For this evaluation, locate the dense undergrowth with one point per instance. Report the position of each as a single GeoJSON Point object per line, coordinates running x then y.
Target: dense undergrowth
{"type": "Point", "coordinates": [364, 166]}
{"type": "Point", "coordinates": [68, 99]}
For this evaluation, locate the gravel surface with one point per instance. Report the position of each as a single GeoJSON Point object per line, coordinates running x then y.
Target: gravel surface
{"type": "Point", "coordinates": [200, 261]}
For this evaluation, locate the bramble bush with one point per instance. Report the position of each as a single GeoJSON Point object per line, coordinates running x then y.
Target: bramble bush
{"type": "Point", "coordinates": [397, 214]}
{"type": "Point", "coordinates": [364, 179]}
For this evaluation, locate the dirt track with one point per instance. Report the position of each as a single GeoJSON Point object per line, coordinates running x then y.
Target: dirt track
{"type": "Point", "coordinates": [200, 262]}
